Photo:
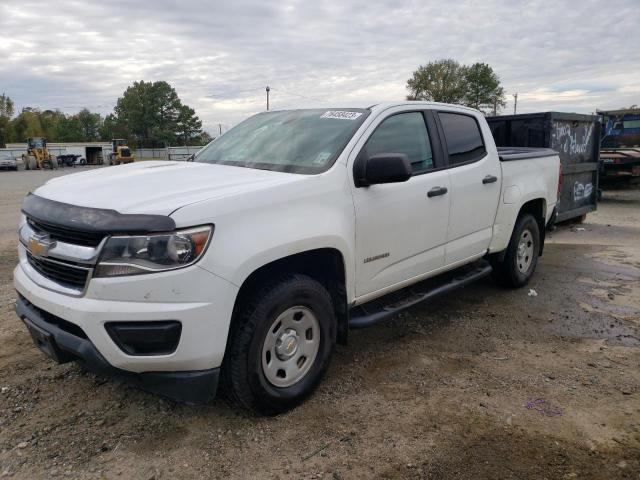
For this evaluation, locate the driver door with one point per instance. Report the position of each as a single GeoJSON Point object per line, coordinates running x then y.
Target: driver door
{"type": "Point", "coordinates": [401, 228]}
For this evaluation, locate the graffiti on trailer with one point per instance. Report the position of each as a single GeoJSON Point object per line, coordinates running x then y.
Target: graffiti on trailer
{"type": "Point", "coordinates": [572, 140]}
{"type": "Point", "coordinates": [582, 191]}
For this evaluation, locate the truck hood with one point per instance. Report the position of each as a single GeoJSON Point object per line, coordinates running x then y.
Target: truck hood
{"type": "Point", "coordinates": [158, 187]}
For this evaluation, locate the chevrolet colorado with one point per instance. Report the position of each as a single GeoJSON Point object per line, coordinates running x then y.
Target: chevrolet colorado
{"type": "Point", "coordinates": [245, 266]}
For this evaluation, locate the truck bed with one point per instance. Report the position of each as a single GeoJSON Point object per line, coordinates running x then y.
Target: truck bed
{"type": "Point", "coordinates": [508, 154]}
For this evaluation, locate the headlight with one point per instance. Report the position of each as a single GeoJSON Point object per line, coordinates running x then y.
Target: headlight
{"type": "Point", "coordinates": [133, 255]}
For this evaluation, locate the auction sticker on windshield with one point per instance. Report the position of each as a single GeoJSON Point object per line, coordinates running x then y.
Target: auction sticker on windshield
{"type": "Point", "coordinates": [341, 115]}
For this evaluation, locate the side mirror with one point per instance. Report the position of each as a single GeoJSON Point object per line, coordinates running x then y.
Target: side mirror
{"type": "Point", "coordinates": [381, 168]}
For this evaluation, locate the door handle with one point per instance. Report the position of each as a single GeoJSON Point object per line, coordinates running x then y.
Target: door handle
{"type": "Point", "coordinates": [435, 191]}
{"type": "Point", "coordinates": [489, 179]}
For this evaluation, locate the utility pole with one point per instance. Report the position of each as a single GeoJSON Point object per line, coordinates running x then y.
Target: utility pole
{"type": "Point", "coordinates": [515, 103]}
{"type": "Point", "coordinates": [267, 89]}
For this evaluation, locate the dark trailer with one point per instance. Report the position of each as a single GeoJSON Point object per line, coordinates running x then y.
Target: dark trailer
{"type": "Point", "coordinates": [620, 145]}
{"type": "Point", "coordinates": [575, 137]}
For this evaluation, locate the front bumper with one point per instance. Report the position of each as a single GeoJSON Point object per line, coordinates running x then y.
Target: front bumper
{"type": "Point", "coordinates": [60, 340]}
{"type": "Point", "coordinates": [200, 301]}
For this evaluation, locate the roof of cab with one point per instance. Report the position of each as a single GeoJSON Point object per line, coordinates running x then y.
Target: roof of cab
{"type": "Point", "coordinates": [378, 107]}
{"type": "Point", "coordinates": [386, 105]}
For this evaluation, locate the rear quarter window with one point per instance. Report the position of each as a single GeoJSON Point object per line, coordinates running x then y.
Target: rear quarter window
{"type": "Point", "coordinates": [463, 137]}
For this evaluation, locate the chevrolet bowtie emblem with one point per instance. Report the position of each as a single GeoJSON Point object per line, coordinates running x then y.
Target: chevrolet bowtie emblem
{"type": "Point", "coordinates": [40, 244]}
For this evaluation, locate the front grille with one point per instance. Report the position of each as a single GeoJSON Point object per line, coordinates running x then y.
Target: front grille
{"type": "Point", "coordinates": [62, 234]}
{"type": "Point", "coordinates": [64, 274]}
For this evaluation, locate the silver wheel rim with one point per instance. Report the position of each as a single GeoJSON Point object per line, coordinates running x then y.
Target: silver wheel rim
{"type": "Point", "coordinates": [290, 346]}
{"type": "Point", "coordinates": [525, 251]}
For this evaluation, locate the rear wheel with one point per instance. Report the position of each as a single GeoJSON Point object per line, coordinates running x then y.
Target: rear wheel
{"type": "Point", "coordinates": [280, 345]}
{"type": "Point", "coordinates": [521, 257]}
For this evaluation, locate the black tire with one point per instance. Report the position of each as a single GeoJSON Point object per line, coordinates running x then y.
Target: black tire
{"type": "Point", "coordinates": [508, 272]}
{"type": "Point", "coordinates": [242, 378]}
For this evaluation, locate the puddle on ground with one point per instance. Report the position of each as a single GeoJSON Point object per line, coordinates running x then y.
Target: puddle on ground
{"type": "Point", "coordinates": [610, 306]}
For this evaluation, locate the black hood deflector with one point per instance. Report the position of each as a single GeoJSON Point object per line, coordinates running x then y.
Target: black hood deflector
{"type": "Point", "coordinates": [94, 220]}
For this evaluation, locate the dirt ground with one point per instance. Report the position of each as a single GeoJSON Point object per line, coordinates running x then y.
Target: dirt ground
{"type": "Point", "coordinates": [482, 383]}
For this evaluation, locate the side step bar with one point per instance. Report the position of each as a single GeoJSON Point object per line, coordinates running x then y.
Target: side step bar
{"type": "Point", "coordinates": [360, 318]}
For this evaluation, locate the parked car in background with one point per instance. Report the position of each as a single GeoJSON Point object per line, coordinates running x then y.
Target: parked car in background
{"type": "Point", "coordinates": [245, 266]}
{"type": "Point", "coordinates": [7, 162]}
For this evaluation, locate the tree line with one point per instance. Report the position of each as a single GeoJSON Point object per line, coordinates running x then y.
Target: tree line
{"type": "Point", "coordinates": [147, 114]}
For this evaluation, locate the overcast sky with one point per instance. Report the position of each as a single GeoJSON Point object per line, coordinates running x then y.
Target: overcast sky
{"type": "Point", "coordinates": [219, 56]}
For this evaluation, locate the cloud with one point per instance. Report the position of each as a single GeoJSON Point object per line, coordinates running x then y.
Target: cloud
{"type": "Point", "coordinates": [220, 55]}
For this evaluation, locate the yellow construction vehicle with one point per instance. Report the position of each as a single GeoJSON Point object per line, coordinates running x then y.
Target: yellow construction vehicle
{"type": "Point", "coordinates": [37, 156]}
{"type": "Point", "coordinates": [121, 153]}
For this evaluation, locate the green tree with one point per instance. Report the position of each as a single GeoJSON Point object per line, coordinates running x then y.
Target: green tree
{"type": "Point", "coordinates": [69, 130]}
{"type": "Point", "coordinates": [27, 124]}
{"type": "Point", "coordinates": [90, 124]}
{"type": "Point", "coordinates": [6, 106]}
{"type": "Point", "coordinates": [448, 81]}
{"type": "Point", "coordinates": [438, 81]}
{"type": "Point", "coordinates": [188, 124]}
{"type": "Point", "coordinates": [111, 128]}
{"type": "Point", "coordinates": [50, 122]}
{"type": "Point", "coordinates": [483, 90]}
{"type": "Point", "coordinates": [153, 113]}
{"type": "Point", "coordinates": [6, 112]}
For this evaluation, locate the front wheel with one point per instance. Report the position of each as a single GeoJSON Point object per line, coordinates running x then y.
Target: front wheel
{"type": "Point", "coordinates": [33, 162]}
{"type": "Point", "coordinates": [280, 345]}
{"type": "Point", "coordinates": [521, 257]}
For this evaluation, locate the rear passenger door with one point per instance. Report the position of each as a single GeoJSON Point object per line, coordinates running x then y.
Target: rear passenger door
{"type": "Point", "coordinates": [401, 229]}
{"type": "Point", "coordinates": [475, 187]}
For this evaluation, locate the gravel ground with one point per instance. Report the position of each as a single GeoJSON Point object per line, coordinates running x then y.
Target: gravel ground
{"type": "Point", "coordinates": [483, 383]}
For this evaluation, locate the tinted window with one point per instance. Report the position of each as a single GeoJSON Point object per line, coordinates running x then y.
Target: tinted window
{"type": "Point", "coordinates": [404, 133]}
{"type": "Point", "coordinates": [464, 140]}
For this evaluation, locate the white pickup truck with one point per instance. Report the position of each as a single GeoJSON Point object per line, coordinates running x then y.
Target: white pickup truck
{"type": "Point", "coordinates": [245, 266]}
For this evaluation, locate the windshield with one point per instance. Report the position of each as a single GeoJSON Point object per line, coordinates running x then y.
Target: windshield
{"type": "Point", "coordinates": [296, 141]}
{"type": "Point", "coordinates": [36, 143]}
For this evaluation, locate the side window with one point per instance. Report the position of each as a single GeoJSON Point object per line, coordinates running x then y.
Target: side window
{"type": "Point", "coordinates": [403, 133]}
{"type": "Point", "coordinates": [464, 140]}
